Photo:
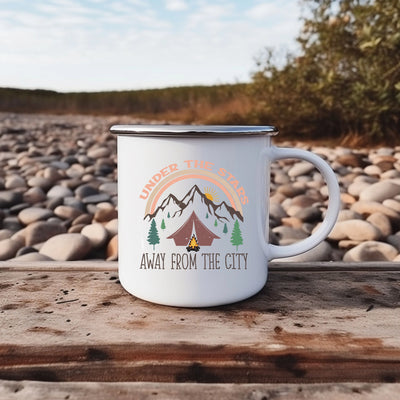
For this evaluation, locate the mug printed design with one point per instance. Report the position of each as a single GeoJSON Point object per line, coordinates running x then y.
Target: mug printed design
{"type": "Point", "coordinates": [193, 230]}
{"type": "Point", "coordinates": [194, 208]}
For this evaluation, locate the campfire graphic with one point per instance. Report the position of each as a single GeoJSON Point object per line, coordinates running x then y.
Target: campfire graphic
{"type": "Point", "coordinates": [193, 246]}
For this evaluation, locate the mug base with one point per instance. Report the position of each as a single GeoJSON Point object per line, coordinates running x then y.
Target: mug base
{"type": "Point", "coordinates": [176, 300]}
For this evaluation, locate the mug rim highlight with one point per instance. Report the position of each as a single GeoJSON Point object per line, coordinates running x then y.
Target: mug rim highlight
{"type": "Point", "coordinates": [157, 130]}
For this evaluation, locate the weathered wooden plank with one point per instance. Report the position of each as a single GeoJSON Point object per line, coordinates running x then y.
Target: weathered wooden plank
{"type": "Point", "coordinates": [81, 265]}
{"type": "Point", "coordinates": [12, 390]}
{"type": "Point", "coordinates": [101, 265]}
{"type": "Point", "coordinates": [335, 266]}
{"type": "Point", "coordinates": [303, 327]}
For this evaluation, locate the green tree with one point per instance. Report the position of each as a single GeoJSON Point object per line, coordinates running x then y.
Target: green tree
{"type": "Point", "coordinates": [216, 223]}
{"type": "Point", "coordinates": [236, 238]}
{"type": "Point", "coordinates": [153, 237]}
{"type": "Point", "coordinates": [346, 79]}
{"type": "Point", "coordinates": [168, 216]}
{"type": "Point", "coordinates": [225, 229]}
{"type": "Point", "coordinates": [207, 215]}
{"type": "Point", "coordinates": [163, 224]}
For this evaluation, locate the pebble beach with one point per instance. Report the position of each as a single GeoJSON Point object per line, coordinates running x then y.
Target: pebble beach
{"type": "Point", "coordinates": [59, 200]}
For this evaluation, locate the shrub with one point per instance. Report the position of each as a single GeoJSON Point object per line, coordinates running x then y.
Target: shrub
{"type": "Point", "coordinates": [347, 77]}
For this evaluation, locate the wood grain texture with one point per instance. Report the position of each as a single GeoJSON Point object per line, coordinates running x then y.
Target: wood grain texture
{"type": "Point", "coordinates": [101, 265]}
{"type": "Point", "coordinates": [78, 324]}
{"type": "Point", "coordinates": [12, 390]}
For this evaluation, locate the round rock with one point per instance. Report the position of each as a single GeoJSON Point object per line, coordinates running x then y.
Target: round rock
{"type": "Point", "coordinates": [39, 181]}
{"type": "Point", "coordinates": [67, 212]}
{"type": "Point", "coordinates": [34, 195]}
{"type": "Point", "coordinates": [321, 252]}
{"type": "Point", "coordinates": [54, 202]}
{"type": "Point", "coordinates": [371, 251]}
{"type": "Point", "coordinates": [300, 168]}
{"type": "Point", "coordinates": [75, 171]}
{"type": "Point", "coordinates": [32, 257]}
{"type": "Point", "coordinates": [380, 191]}
{"type": "Point", "coordinates": [14, 210]}
{"type": "Point", "coordinates": [76, 228]}
{"type": "Point", "coordinates": [370, 207]}
{"type": "Point", "coordinates": [394, 240]}
{"type": "Point", "coordinates": [14, 181]}
{"type": "Point", "coordinates": [85, 191]}
{"type": "Point", "coordinates": [344, 215]}
{"type": "Point", "coordinates": [98, 152]}
{"type": "Point", "coordinates": [288, 235]}
{"type": "Point", "coordinates": [52, 173]}
{"type": "Point", "coordinates": [5, 234]}
{"type": "Point", "coordinates": [33, 214]}
{"type": "Point", "coordinates": [112, 249]}
{"type": "Point", "coordinates": [354, 229]}
{"type": "Point", "coordinates": [309, 214]}
{"type": "Point", "coordinates": [12, 223]}
{"type": "Point", "coordinates": [279, 177]}
{"type": "Point", "coordinates": [277, 211]}
{"type": "Point", "coordinates": [292, 222]}
{"type": "Point", "coordinates": [62, 165]}
{"type": "Point", "coordinates": [96, 233]}
{"type": "Point", "coordinates": [41, 231]}
{"type": "Point", "coordinates": [112, 227]}
{"type": "Point", "coordinates": [356, 188]}
{"type": "Point", "coordinates": [9, 248]}
{"type": "Point", "coordinates": [59, 191]}
{"type": "Point", "coordinates": [25, 250]}
{"type": "Point", "coordinates": [393, 204]}
{"type": "Point", "coordinates": [303, 201]}
{"type": "Point", "coordinates": [96, 198]}
{"type": "Point", "coordinates": [347, 198]}
{"type": "Point", "coordinates": [382, 222]}
{"type": "Point", "coordinates": [75, 203]}
{"type": "Point", "coordinates": [85, 219]}
{"type": "Point", "coordinates": [70, 159]}
{"type": "Point", "coordinates": [105, 214]}
{"type": "Point", "coordinates": [66, 247]}
{"type": "Point", "coordinates": [110, 188]}
{"type": "Point", "coordinates": [372, 170]}
{"type": "Point", "coordinates": [290, 190]}
{"type": "Point", "coordinates": [351, 160]}
{"type": "Point", "coordinates": [391, 174]}
{"type": "Point", "coordinates": [348, 244]}
{"type": "Point", "coordinates": [9, 198]}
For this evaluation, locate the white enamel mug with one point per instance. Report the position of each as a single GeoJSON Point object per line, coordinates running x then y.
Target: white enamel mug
{"type": "Point", "coordinates": [193, 211]}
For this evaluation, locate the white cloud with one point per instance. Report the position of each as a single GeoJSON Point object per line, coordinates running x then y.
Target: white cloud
{"type": "Point", "coordinates": [176, 5]}
{"type": "Point", "coordinates": [264, 10]}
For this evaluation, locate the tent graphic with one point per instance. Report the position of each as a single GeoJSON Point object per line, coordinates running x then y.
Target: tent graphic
{"type": "Point", "coordinates": [193, 226]}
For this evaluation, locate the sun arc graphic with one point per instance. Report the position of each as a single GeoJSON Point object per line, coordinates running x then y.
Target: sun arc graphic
{"type": "Point", "coordinates": [205, 175]}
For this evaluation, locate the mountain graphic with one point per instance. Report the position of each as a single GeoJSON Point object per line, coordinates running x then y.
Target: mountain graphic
{"type": "Point", "coordinates": [195, 199]}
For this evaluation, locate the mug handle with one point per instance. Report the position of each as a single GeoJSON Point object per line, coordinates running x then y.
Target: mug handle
{"type": "Point", "coordinates": [274, 153]}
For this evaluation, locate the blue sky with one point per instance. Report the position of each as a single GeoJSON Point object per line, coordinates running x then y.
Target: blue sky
{"type": "Point", "coordinates": [91, 45]}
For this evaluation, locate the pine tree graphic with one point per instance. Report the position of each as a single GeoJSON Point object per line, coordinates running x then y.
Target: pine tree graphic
{"type": "Point", "coordinates": [153, 237]}
{"type": "Point", "coordinates": [225, 229]}
{"type": "Point", "coordinates": [236, 238]}
{"type": "Point", "coordinates": [162, 224]}
{"type": "Point", "coordinates": [215, 223]}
